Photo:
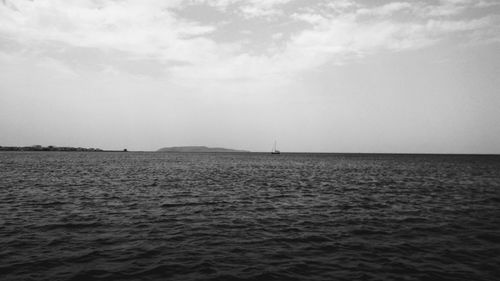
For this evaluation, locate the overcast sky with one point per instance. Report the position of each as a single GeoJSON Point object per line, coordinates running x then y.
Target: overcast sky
{"type": "Point", "coordinates": [315, 75]}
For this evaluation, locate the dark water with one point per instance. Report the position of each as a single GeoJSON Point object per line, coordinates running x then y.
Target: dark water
{"type": "Point", "coordinates": [152, 216]}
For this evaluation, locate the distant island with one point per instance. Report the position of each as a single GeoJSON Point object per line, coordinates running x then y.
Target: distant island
{"type": "Point", "coordinates": [47, 148]}
{"type": "Point", "coordinates": [198, 149]}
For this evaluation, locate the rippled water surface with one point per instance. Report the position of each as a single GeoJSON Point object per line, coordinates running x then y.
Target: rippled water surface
{"type": "Point", "coordinates": [153, 216]}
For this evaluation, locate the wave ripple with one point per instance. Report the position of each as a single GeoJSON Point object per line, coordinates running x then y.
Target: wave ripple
{"type": "Point", "coordinates": [150, 216]}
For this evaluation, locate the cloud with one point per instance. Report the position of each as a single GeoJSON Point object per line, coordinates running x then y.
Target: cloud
{"type": "Point", "coordinates": [332, 32]}
{"type": "Point", "coordinates": [140, 28]}
{"type": "Point", "coordinates": [362, 29]}
{"type": "Point", "coordinates": [56, 67]}
{"type": "Point", "coordinates": [245, 8]}
{"type": "Point", "coordinates": [386, 10]}
{"type": "Point", "coordinates": [449, 8]}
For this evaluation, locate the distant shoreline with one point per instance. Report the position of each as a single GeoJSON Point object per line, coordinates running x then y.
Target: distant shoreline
{"type": "Point", "coordinates": [37, 148]}
{"type": "Point", "coordinates": [55, 148]}
{"type": "Point", "coordinates": [198, 149]}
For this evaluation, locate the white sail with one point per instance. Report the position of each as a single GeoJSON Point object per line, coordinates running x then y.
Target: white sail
{"type": "Point", "coordinates": [275, 150]}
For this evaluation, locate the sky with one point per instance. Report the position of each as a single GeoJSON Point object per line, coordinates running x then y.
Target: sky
{"type": "Point", "coordinates": [314, 75]}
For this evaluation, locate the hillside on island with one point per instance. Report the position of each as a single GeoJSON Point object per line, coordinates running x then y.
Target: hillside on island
{"type": "Point", "coordinates": [198, 149]}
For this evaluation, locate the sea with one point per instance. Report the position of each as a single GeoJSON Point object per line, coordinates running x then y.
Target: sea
{"type": "Point", "coordinates": [248, 216]}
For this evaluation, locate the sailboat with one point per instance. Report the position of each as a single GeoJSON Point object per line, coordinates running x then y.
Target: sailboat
{"type": "Point", "coordinates": [275, 151]}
